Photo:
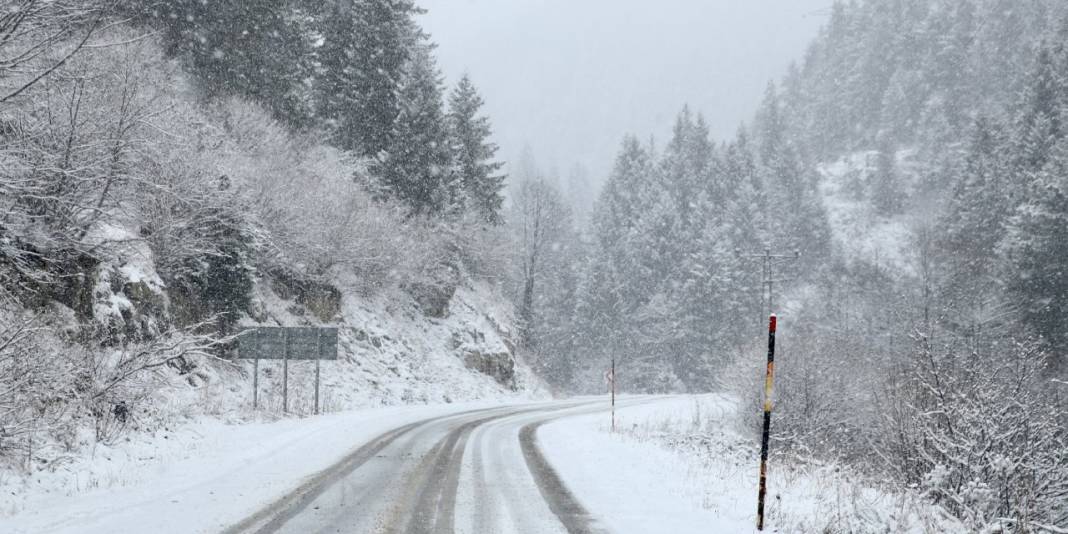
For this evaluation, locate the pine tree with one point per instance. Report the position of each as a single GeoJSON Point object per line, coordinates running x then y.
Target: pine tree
{"type": "Point", "coordinates": [541, 224]}
{"type": "Point", "coordinates": [1037, 247]}
{"type": "Point", "coordinates": [1035, 242]}
{"type": "Point", "coordinates": [624, 197]}
{"type": "Point", "coordinates": [259, 49]}
{"type": "Point", "coordinates": [416, 167]}
{"type": "Point", "coordinates": [633, 220]}
{"type": "Point", "coordinates": [901, 105]}
{"type": "Point", "coordinates": [887, 193]}
{"type": "Point", "coordinates": [745, 216]}
{"type": "Point", "coordinates": [698, 285]}
{"type": "Point", "coordinates": [473, 152]}
{"type": "Point", "coordinates": [746, 200]}
{"type": "Point", "coordinates": [581, 191]}
{"type": "Point", "coordinates": [687, 164]}
{"type": "Point", "coordinates": [979, 208]}
{"type": "Point", "coordinates": [776, 155]}
{"type": "Point", "coordinates": [367, 45]}
{"type": "Point", "coordinates": [630, 220]}
{"type": "Point", "coordinates": [796, 217]}
{"type": "Point", "coordinates": [1041, 126]}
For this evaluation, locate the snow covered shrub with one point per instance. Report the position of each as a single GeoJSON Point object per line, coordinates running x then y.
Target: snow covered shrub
{"type": "Point", "coordinates": [974, 428]}
{"type": "Point", "coordinates": [218, 284]}
{"type": "Point", "coordinates": [484, 250]}
{"type": "Point", "coordinates": [81, 138]}
{"type": "Point", "coordinates": [53, 381]}
{"type": "Point", "coordinates": [833, 346]}
{"type": "Point", "coordinates": [115, 386]}
{"type": "Point", "coordinates": [319, 221]}
{"type": "Point", "coordinates": [822, 402]}
{"type": "Point", "coordinates": [315, 216]}
{"type": "Point", "coordinates": [35, 387]}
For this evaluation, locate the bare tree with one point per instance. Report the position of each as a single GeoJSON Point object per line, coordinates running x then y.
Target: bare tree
{"type": "Point", "coordinates": [542, 224]}
{"type": "Point", "coordinates": [38, 37]}
{"type": "Point", "coordinates": [117, 383]}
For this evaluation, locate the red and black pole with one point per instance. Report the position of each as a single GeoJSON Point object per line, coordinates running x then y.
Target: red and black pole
{"type": "Point", "coordinates": [768, 376]}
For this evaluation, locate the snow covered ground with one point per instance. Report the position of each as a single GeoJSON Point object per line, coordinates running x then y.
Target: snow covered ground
{"type": "Point", "coordinates": [209, 452]}
{"type": "Point", "coordinates": [676, 466]}
{"type": "Point", "coordinates": [201, 478]}
{"type": "Point", "coordinates": [202, 423]}
{"type": "Point", "coordinates": [673, 466]}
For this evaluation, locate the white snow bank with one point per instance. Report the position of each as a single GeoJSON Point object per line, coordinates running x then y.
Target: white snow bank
{"type": "Point", "coordinates": [646, 479]}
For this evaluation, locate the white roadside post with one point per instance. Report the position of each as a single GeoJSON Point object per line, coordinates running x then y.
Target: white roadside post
{"type": "Point", "coordinates": [255, 382]}
{"type": "Point", "coordinates": [612, 385]}
{"type": "Point", "coordinates": [285, 372]}
{"type": "Point", "coordinates": [318, 357]}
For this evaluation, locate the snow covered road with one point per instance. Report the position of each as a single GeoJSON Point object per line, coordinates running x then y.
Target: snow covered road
{"type": "Point", "coordinates": [474, 472]}
{"type": "Point", "coordinates": [541, 467]}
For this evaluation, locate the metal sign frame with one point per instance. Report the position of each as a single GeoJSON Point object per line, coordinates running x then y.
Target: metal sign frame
{"type": "Point", "coordinates": [287, 343]}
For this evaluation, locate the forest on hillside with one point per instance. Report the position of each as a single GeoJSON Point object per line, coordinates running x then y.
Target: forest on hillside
{"type": "Point", "coordinates": [937, 361]}
{"type": "Point", "coordinates": [158, 161]}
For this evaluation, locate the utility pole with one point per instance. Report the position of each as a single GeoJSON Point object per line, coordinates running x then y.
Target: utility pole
{"type": "Point", "coordinates": [768, 262]}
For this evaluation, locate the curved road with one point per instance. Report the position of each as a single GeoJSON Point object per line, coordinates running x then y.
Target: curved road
{"type": "Point", "coordinates": [475, 472]}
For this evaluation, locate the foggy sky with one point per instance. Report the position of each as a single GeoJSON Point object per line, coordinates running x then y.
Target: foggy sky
{"type": "Point", "coordinates": [570, 77]}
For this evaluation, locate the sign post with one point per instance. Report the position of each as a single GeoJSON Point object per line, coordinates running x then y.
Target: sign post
{"type": "Point", "coordinates": [285, 371]}
{"type": "Point", "coordinates": [255, 382]}
{"type": "Point", "coordinates": [769, 375]}
{"type": "Point", "coordinates": [277, 343]}
{"type": "Point", "coordinates": [612, 384]}
{"type": "Point", "coordinates": [318, 356]}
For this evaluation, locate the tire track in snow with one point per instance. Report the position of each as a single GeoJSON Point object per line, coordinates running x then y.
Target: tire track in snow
{"type": "Point", "coordinates": [272, 517]}
{"type": "Point", "coordinates": [562, 502]}
{"type": "Point", "coordinates": [421, 491]}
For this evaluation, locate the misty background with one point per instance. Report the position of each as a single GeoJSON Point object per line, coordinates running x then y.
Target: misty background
{"type": "Point", "coordinates": [569, 79]}
{"type": "Point", "coordinates": [174, 173]}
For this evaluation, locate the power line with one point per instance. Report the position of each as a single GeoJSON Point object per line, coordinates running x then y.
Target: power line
{"type": "Point", "coordinates": [767, 275]}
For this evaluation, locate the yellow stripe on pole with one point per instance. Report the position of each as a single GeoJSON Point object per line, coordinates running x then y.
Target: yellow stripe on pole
{"type": "Point", "coordinates": [765, 435]}
{"type": "Point", "coordinates": [768, 386]}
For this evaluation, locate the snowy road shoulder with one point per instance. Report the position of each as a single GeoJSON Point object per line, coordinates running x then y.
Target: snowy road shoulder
{"type": "Point", "coordinates": [632, 486]}
{"type": "Point", "coordinates": [676, 466]}
{"type": "Point", "coordinates": [201, 478]}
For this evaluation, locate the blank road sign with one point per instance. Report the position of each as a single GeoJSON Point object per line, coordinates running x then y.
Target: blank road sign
{"type": "Point", "coordinates": [304, 343]}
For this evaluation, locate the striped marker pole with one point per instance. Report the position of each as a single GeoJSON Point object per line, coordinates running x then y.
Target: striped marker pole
{"type": "Point", "coordinates": [769, 375]}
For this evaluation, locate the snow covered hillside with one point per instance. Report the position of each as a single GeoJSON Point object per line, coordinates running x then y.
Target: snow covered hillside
{"type": "Point", "coordinates": [131, 259]}
{"type": "Point", "coordinates": [859, 230]}
{"type": "Point", "coordinates": [391, 353]}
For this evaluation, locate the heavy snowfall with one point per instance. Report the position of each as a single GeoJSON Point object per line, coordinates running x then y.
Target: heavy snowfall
{"type": "Point", "coordinates": [521, 349]}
